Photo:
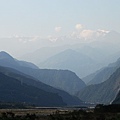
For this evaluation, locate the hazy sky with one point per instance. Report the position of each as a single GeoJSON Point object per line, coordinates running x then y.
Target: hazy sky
{"type": "Point", "coordinates": [57, 17]}
{"type": "Point", "coordinates": [25, 24]}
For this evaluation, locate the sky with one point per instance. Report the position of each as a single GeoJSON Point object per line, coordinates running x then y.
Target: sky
{"type": "Point", "coordinates": [30, 20]}
{"type": "Point", "coordinates": [57, 17]}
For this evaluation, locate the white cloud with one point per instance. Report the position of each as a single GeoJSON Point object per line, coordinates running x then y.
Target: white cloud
{"type": "Point", "coordinates": [58, 29]}
{"type": "Point", "coordinates": [78, 26]}
{"type": "Point", "coordinates": [87, 34]}
{"type": "Point", "coordinates": [101, 32]}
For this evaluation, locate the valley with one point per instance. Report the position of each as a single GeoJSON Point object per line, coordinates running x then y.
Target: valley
{"type": "Point", "coordinates": [59, 60]}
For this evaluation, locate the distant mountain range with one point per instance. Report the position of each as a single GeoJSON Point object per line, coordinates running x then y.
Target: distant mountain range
{"type": "Point", "coordinates": [70, 60]}
{"type": "Point", "coordinates": [14, 72]}
{"type": "Point", "coordinates": [43, 53]}
{"type": "Point", "coordinates": [96, 54]}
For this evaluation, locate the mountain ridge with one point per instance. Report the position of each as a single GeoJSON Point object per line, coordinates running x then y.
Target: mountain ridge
{"type": "Point", "coordinates": [69, 60]}
{"type": "Point", "coordinates": [26, 71]}
{"type": "Point", "coordinates": [13, 91]}
{"type": "Point", "coordinates": [103, 93]}
{"type": "Point", "coordinates": [102, 74]}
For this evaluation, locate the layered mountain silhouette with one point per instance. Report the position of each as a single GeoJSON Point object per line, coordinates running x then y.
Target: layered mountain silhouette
{"type": "Point", "coordinates": [70, 60]}
{"type": "Point", "coordinates": [25, 77]}
{"type": "Point", "coordinates": [104, 92]}
{"type": "Point", "coordinates": [12, 90]}
{"type": "Point", "coordinates": [43, 53]}
{"type": "Point", "coordinates": [61, 79]}
{"type": "Point", "coordinates": [102, 74]}
{"type": "Point", "coordinates": [8, 61]}
{"type": "Point", "coordinates": [99, 52]}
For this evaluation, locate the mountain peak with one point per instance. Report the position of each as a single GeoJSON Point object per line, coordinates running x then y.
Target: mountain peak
{"type": "Point", "coordinates": [5, 55]}
{"type": "Point", "coordinates": [113, 34]}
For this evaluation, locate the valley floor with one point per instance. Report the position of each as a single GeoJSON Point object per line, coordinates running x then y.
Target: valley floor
{"type": "Point", "coordinates": [98, 113]}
